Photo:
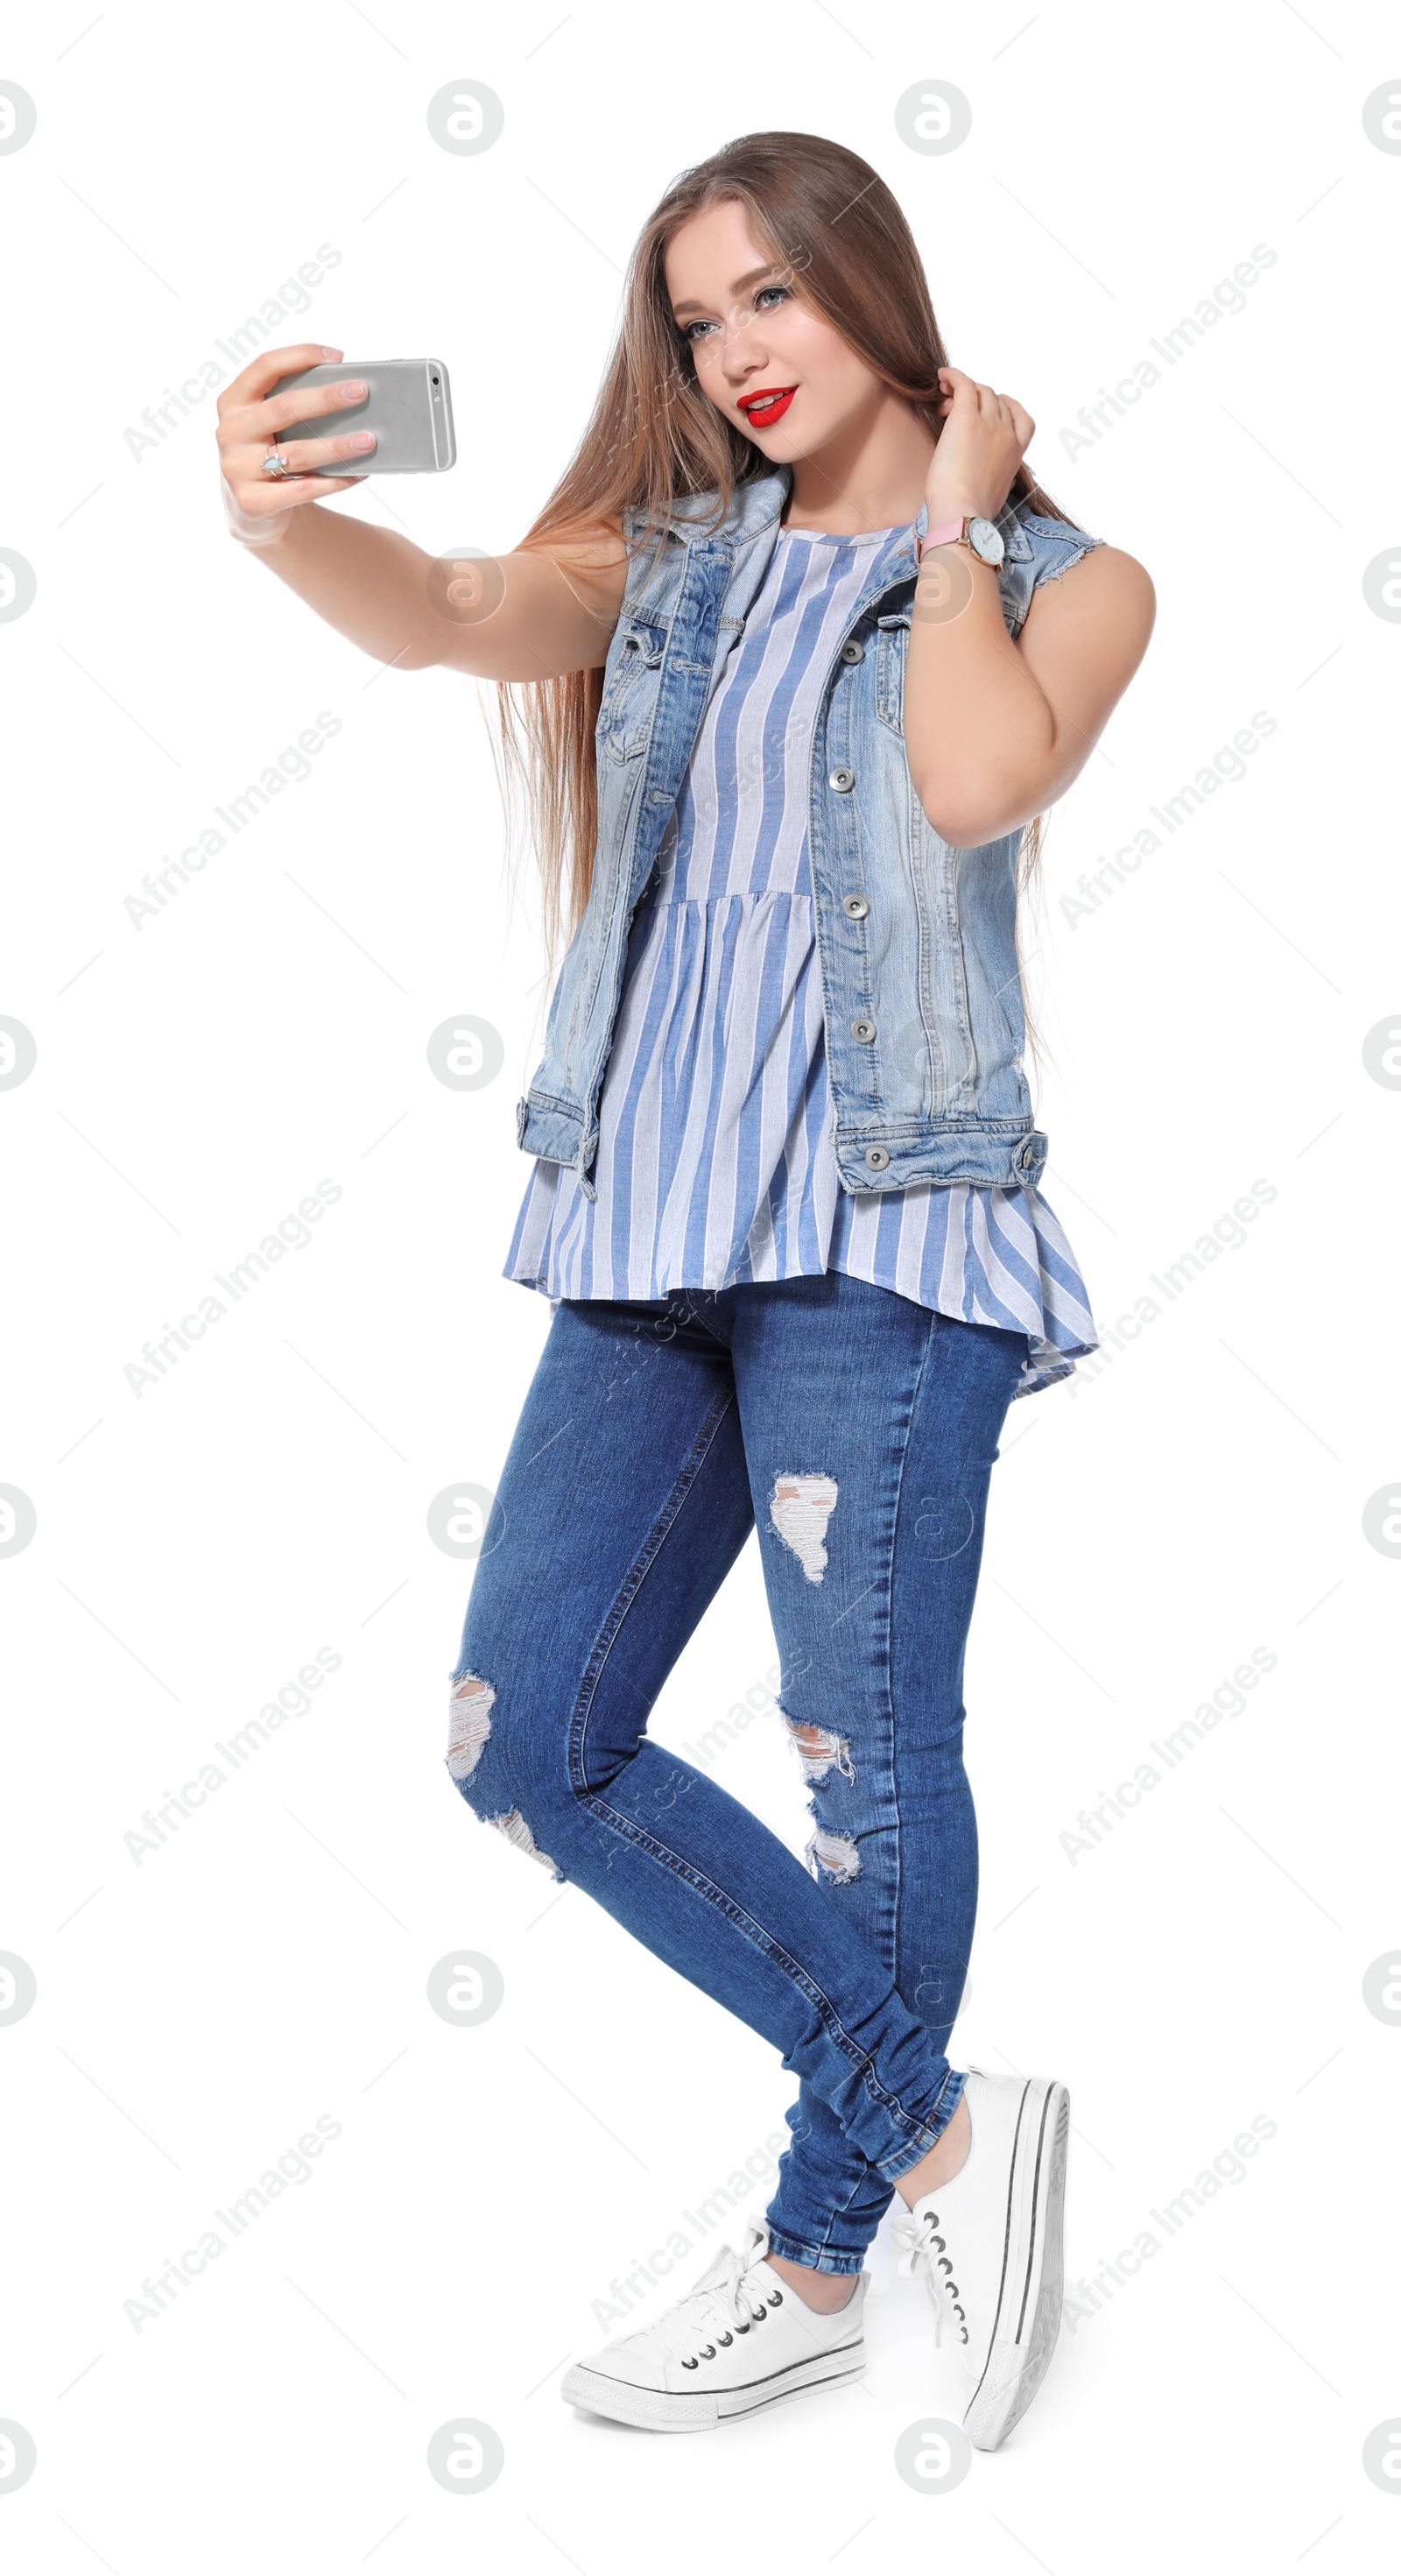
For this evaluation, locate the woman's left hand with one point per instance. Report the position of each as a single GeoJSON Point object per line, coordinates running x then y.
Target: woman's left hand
{"type": "Point", "coordinates": [983, 440]}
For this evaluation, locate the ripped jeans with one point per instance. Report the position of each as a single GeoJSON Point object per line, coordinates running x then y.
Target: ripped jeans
{"type": "Point", "coordinates": [858, 1430]}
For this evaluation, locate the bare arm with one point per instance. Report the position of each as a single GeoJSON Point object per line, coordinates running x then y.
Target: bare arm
{"type": "Point", "coordinates": [996, 731]}
{"type": "Point", "coordinates": [526, 615]}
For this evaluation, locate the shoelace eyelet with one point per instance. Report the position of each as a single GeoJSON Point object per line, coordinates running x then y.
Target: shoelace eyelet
{"type": "Point", "coordinates": [690, 2365]}
{"type": "Point", "coordinates": [724, 2339]}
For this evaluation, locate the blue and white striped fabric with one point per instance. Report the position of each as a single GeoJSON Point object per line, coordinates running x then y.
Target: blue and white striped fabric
{"type": "Point", "coordinates": [714, 1161]}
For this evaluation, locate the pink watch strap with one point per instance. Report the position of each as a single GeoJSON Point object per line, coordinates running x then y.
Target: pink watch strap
{"type": "Point", "coordinates": [945, 534]}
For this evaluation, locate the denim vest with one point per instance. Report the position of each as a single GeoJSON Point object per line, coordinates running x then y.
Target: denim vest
{"type": "Point", "coordinates": [916, 941]}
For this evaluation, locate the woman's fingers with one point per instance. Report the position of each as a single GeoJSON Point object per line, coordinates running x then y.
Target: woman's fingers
{"type": "Point", "coordinates": [997, 407]}
{"type": "Point", "coordinates": [302, 456]}
{"type": "Point", "coordinates": [969, 406]}
{"type": "Point", "coordinates": [250, 418]}
{"type": "Point", "coordinates": [263, 372]}
{"type": "Point", "coordinates": [267, 499]}
{"type": "Point", "coordinates": [281, 411]}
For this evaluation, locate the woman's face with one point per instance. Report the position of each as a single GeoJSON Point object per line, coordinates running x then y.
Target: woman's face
{"type": "Point", "coordinates": [753, 334]}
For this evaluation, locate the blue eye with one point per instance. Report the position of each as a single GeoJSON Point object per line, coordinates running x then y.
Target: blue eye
{"type": "Point", "coordinates": [689, 329]}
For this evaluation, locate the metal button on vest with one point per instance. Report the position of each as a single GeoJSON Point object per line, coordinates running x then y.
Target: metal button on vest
{"type": "Point", "coordinates": [877, 1157]}
{"type": "Point", "coordinates": [863, 1030]}
{"type": "Point", "coordinates": [842, 779]}
{"type": "Point", "coordinates": [855, 906]}
{"type": "Point", "coordinates": [853, 652]}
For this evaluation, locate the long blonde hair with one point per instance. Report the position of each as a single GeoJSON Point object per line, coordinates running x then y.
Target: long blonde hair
{"type": "Point", "coordinates": [828, 218]}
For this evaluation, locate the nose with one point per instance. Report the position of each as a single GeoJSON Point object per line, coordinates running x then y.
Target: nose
{"type": "Point", "coordinates": [743, 348]}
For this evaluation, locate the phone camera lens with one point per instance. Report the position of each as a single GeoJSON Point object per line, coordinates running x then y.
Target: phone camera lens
{"type": "Point", "coordinates": [435, 380]}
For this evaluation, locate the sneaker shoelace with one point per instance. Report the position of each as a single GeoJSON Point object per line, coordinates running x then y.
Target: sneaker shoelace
{"type": "Point", "coordinates": [725, 2302]}
{"type": "Point", "coordinates": [920, 2243]}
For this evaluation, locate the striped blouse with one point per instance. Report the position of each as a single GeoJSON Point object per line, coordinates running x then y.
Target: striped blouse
{"type": "Point", "coordinates": [714, 1161]}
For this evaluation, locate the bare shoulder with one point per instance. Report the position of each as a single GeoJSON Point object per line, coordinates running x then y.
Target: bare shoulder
{"type": "Point", "coordinates": [588, 544]}
{"type": "Point", "coordinates": [1122, 584]}
{"type": "Point", "coordinates": [1085, 634]}
{"type": "Point", "coordinates": [1107, 595]}
{"type": "Point", "coordinates": [1082, 640]}
{"type": "Point", "coordinates": [593, 552]}
{"type": "Point", "coordinates": [587, 562]}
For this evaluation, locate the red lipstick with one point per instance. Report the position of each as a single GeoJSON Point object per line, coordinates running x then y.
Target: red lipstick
{"type": "Point", "coordinates": [762, 409]}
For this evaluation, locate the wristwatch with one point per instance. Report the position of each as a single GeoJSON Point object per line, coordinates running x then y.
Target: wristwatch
{"type": "Point", "coordinates": [980, 536]}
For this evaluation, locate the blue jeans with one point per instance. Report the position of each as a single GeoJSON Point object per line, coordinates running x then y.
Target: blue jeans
{"type": "Point", "coordinates": [858, 1429]}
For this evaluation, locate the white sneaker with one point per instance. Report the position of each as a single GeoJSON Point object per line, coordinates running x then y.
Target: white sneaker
{"type": "Point", "coordinates": [741, 2339]}
{"type": "Point", "coordinates": [989, 2243]}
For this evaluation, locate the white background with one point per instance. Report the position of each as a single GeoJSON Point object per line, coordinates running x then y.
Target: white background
{"type": "Point", "coordinates": [1152, 1523]}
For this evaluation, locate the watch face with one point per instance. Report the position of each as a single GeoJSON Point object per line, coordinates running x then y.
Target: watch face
{"type": "Point", "coordinates": [986, 540]}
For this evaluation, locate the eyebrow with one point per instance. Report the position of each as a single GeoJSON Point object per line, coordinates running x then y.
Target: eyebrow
{"type": "Point", "coordinates": [751, 277]}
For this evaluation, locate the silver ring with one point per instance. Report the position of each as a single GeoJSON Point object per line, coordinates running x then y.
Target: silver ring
{"type": "Point", "coordinates": [275, 465]}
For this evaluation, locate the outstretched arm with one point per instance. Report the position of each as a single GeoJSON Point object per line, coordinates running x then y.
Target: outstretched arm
{"type": "Point", "coordinates": [526, 615]}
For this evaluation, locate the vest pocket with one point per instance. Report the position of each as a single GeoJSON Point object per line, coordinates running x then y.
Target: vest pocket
{"type": "Point", "coordinates": [892, 645]}
{"type": "Point", "coordinates": [630, 698]}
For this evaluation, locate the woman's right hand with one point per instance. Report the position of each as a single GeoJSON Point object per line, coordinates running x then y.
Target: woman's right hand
{"type": "Point", "coordinates": [259, 506]}
{"type": "Point", "coordinates": [545, 609]}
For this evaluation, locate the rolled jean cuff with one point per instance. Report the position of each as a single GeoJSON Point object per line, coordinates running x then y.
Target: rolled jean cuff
{"type": "Point", "coordinates": [900, 2159]}
{"type": "Point", "coordinates": [816, 2258]}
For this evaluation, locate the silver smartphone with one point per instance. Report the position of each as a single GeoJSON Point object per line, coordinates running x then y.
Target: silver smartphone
{"type": "Point", "coordinates": [408, 406]}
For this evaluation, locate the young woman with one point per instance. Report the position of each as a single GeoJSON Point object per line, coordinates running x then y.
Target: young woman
{"type": "Point", "coordinates": [806, 649]}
